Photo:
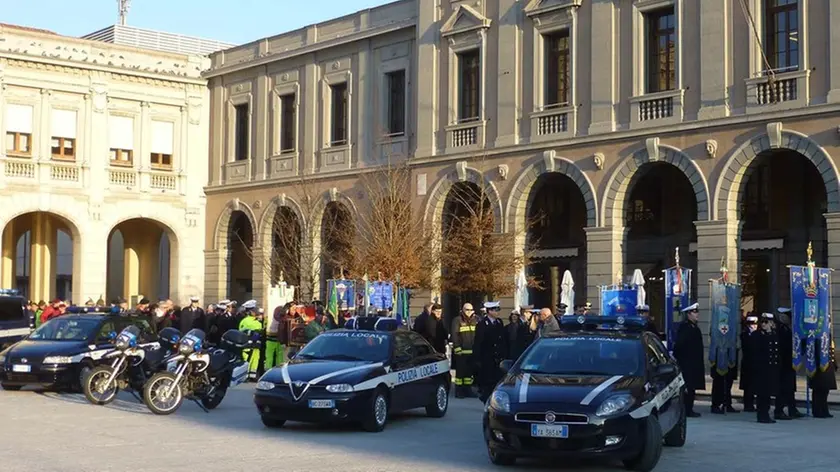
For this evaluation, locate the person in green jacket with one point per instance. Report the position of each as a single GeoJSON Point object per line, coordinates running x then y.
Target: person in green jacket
{"type": "Point", "coordinates": [316, 326]}
{"type": "Point", "coordinates": [251, 322]}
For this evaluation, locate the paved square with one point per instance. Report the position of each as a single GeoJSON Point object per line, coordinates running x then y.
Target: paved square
{"type": "Point", "coordinates": [62, 432]}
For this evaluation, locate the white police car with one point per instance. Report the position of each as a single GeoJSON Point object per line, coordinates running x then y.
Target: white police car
{"type": "Point", "coordinates": [357, 374]}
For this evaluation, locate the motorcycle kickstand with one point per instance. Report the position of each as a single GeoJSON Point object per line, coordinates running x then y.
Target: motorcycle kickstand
{"type": "Point", "coordinates": [137, 397]}
{"type": "Point", "coordinates": [198, 402]}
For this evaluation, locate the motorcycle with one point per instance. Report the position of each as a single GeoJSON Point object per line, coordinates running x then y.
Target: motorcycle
{"type": "Point", "coordinates": [131, 365]}
{"type": "Point", "coordinates": [199, 373]}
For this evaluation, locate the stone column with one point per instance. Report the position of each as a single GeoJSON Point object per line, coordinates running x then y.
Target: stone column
{"type": "Point", "coordinates": [428, 71]}
{"type": "Point", "coordinates": [8, 249]}
{"type": "Point", "coordinates": [604, 259]}
{"type": "Point", "coordinates": [714, 57]}
{"type": "Point", "coordinates": [833, 226]}
{"type": "Point", "coordinates": [604, 39]}
{"type": "Point", "coordinates": [217, 137]}
{"type": "Point", "coordinates": [833, 51]}
{"type": "Point", "coordinates": [42, 257]}
{"type": "Point", "coordinates": [262, 126]}
{"type": "Point", "coordinates": [131, 262]}
{"type": "Point", "coordinates": [148, 251]}
{"type": "Point", "coordinates": [90, 264]}
{"type": "Point", "coordinates": [215, 275]}
{"type": "Point", "coordinates": [716, 241]}
{"type": "Point", "coordinates": [508, 106]}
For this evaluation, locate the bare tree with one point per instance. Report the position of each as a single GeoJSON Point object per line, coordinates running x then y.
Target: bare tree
{"type": "Point", "coordinates": [392, 240]}
{"type": "Point", "coordinates": [476, 257]}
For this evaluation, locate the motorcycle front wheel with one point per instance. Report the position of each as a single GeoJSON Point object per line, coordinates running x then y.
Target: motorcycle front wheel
{"type": "Point", "coordinates": [95, 387]}
{"type": "Point", "coordinates": [162, 394]}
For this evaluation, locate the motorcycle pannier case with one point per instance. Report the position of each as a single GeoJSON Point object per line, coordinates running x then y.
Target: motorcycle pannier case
{"type": "Point", "coordinates": [169, 338]}
{"type": "Point", "coordinates": [234, 338]}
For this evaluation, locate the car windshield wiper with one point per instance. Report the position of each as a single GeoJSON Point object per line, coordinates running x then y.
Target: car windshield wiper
{"type": "Point", "coordinates": [342, 357]}
{"type": "Point", "coordinates": [306, 356]}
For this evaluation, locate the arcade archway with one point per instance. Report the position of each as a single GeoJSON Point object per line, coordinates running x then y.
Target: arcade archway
{"type": "Point", "coordinates": [782, 201]}
{"type": "Point", "coordinates": [660, 212]}
{"type": "Point", "coordinates": [39, 251]}
{"type": "Point", "coordinates": [557, 216]}
{"type": "Point", "coordinates": [337, 235]}
{"type": "Point", "coordinates": [286, 234]}
{"type": "Point", "coordinates": [139, 260]}
{"type": "Point", "coordinates": [240, 265]}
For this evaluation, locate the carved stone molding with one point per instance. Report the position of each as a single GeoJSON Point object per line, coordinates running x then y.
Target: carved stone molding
{"type": "Point", "coordinates": [461, 170]}
{"type": "Point", "coordinates": [99, 93]}
{"type": "Point", "coordinates": [503, 171]}
{"type": "Point", "coordinates": [652, 145]}
{"type": "Point", "coordinates": [599, 160]}
{"type": "Point", "coordinates": [711, 148]}
{"type": "Point", "coordinates": [774, 133]}
{"type": "Point", "coordinates": [258, 204]}
{"type": "Point", "coordinates": [548, 160]}
{"type": "Point", "coordinates": [334, 194]}
{"type": "Point", "coordinates": [281, 199]}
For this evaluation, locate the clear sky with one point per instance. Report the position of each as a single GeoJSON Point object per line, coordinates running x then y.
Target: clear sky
{"type": "Point", "coordinates": [232, 21]}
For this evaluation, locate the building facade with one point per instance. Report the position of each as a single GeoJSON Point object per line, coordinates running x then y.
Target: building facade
{"type": "Point", "coordinates": [102, 168]}
{"type": "Point", "coordinates": [608, 132]}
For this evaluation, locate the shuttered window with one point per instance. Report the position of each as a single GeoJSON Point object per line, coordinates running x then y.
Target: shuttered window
{"type": "Point", "coordinates": [163, 142]}
{"type": "Point", "coordinates": [121, 138]}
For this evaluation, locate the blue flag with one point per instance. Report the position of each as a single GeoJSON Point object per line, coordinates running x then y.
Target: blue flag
{"type": "Point", "coordinates": [677, 296]}
{"type": "Point", "coordinates": [726, 305]}
{"type": "Point", "coordinates": [382, 296]}
{"type": "Point", "coordinates": [810, 296]}
{"type": "Point", "coordinates": [344, 292]}
{"type": "Point", "coordinates": [618, 301]}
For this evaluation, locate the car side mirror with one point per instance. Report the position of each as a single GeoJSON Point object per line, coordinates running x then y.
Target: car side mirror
{"type": "Point", "coordinates": [664, 370]}
{"type": "Point", "coordinates": [292, 355]}
{"type": "Point", "coordinates": [506, 365]}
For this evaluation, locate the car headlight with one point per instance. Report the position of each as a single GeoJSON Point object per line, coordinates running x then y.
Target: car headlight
{"type": "Point", "coordinates": [58, 360]}
{"type": "Point", "coordinates": [500, 401]}
{"type": "Point", "coordinates": [263, 385]}
{"type": "Point", "coordinates": [340, 388]}
{"type": "Point", "coordinates": [615, 404]}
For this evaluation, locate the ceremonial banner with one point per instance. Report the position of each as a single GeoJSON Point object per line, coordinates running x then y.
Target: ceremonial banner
{"type": "Point", "coordinates": [810, 296]}
{"type": "Point", "coordinates": [677, 296]}
{"type": "Point", "coordinates": [726, 305]}
{"type": "Point", "coordinates": [618, 301]}
{"type": "Point", "coordinates": [344, 293]}
{"type": "Point", "coordinates": [382, 295]}
{"type": "Point", "coordinates": [403, 299]}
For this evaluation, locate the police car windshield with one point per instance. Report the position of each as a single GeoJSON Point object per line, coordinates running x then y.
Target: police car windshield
{"type": "Point", "coordinates": [347, 346]}
{"type": "Point", "coordinates": [583, 356]}
{"type": "Point", "coordinates": [65, 329]}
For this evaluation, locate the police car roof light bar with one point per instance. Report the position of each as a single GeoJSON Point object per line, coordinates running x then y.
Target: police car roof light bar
{"type": "Point", "coordinates": [597, 322]}
{"type": "Point", "coordinates": [80, 310]}
{"type": "Point", "coordinates": [9, 292]}
{"type": "Point", "coordinates": [371, 323]}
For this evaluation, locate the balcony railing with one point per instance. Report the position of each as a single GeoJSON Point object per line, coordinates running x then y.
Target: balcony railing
{"type": "Point", "coordinates": [122, 178]}
{"type": "Point", "coordinates": [19, 169]}
{"type": "Point", "coordinates": [656, 109]}
{"type": "Point", "coordinates": [163, 181]}
{"type": "Point", "coordinates": [64, 172]}
{"type": "Point", "coordinates": [470, 133]}
{"type": "Point", "coordinates": [782, 90]}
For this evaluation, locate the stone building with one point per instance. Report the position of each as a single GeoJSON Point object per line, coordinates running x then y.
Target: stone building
{"type": "Point", "coordinates": [102, 170]}
{"type": "Point", "coordinates": [626, 128]}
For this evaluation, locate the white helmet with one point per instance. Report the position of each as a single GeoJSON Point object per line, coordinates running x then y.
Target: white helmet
{"type": "Point", "coordinates": [249, 305]}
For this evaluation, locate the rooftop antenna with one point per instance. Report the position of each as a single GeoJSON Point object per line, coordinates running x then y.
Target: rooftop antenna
{"type": "Point", "coordinates": [123, 6]}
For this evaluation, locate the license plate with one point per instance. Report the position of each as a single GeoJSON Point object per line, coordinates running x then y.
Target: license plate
{"type": "Point", "coordinates": [21, 368]}
{"type": "Point", "coordinates": [550, 431]}
{"type": "Point", "coordinates": [321, 404]}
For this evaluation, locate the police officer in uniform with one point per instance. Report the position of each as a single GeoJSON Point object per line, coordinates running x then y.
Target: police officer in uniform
{"type": "Point", "coordinates": [823, 382]}
{"type": "Point", "coordinates": [463, 337]}
{"type": "Point", "coordinates": [192, 317]}
{"type": "Point", "coordinates": [765, 366]}
{"type": "Point", "coordinates": [787, 376]}
{"type": "Point", "coordinates": [644, 311]}
{"type": "Point", "coordinates": [491, 348]}
{"type": "Point", "coordinates": [747, 356]}
{"type": "Point", "coordinates": [688, 350]}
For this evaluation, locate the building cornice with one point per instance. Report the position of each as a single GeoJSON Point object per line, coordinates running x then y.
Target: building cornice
{"type": "Point", "coordinates": [270, 57]}
{"type": "Point", "coordinates": [812, 111]}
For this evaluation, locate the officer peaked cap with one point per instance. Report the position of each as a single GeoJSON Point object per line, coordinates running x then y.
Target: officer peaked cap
{"type": "Point", "coordinates": [783, 309]}
{"type": "Point", "coordinates": [693, 307]}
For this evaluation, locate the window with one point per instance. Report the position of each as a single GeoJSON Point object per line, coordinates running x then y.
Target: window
{"type": "Point", "coordinates": [162, 144]}
{"type": "Point", "coordinates": [288, 123]}
{"type": "Point", "coordinates": [661, 50]}
{"type": "Point", "coordinates": [781, 34]}
{"type": "Point", "coordinates": [396, 102]}
{"type": "Point", "coordinates": [121, 129]}
{"type": "Point", "coordinates": [402, 346]}
{"type": "Point", "coordinates": [338, 127]}
{"type": "Point", "coordinates": [755, 204]}
{"type": "Point", "coordinates": [557, 69]}
{"type": "Point", "coordinates": [19, 129]}
{"type": "Point", "coordinates": [421, 347]}
{"type": "Point", "coordinates": [63, 140]}
{"type": "Point", "coordinates": [241, 127]}
{"type": "Point", "coordinates": [469, 85]}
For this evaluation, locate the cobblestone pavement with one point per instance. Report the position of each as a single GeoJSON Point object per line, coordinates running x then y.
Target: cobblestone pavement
{"type": "Point", "coordinates": [62, 432]}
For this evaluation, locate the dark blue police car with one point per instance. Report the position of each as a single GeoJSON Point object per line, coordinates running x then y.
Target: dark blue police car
{"type": "Point", "coordinates": [603, 387]}
{"type": "Point", "coordinates": [62, 350]}
{"type": "Point", "coordinates": [15, 322]}
{"type": "Point", "coordinates": [358, 374]}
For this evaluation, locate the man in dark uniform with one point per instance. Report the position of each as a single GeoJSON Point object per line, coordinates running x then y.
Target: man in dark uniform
{"type": "Point", "coordinates": [823, 382]}
{"type": "Point", "coordinates": [491, 348]}
{"type": "Point", "coordinates": [688, 350]}
{"type": "Point", "coordinates": [747, 356]}
{"type": "Point", "coordinates": [644, 311]}
{"type": "Point", "coordinates": [431, 326]}
{"type": "Point", "coordinates": [463, 337]}
{"type": "Point", "coordinates": [787, 376]}
{"type": "Point", "coordinates": [765, 366]}
{"type": "Point", "coordinates": [192, 317]}
{"type": "Point", "coordinates": [519, 335]}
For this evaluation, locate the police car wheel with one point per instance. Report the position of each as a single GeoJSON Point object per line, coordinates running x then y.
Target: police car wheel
{"type": "Point", "coordinates": [378, 415]}
{"type": "Point", "coordinates": [11, 388]}
{"type": "Point", "coordinates": [500, 458]}
{"type": "Point", "coordinates": [272, 422]}
{"type": "Point", "coordinates": [648, 457]}
{"type": "Point", "coordinates": [676, 437]}
{"type": "Point", "coordinates": [440, 403]}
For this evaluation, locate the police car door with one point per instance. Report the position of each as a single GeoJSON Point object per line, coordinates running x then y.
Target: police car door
{"type": "Point", "coordinates": [403, 362]}
{"type": "Point", "coordinates": [424, 354]}
{"type": "Point", "coordinates": [656, 356]}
